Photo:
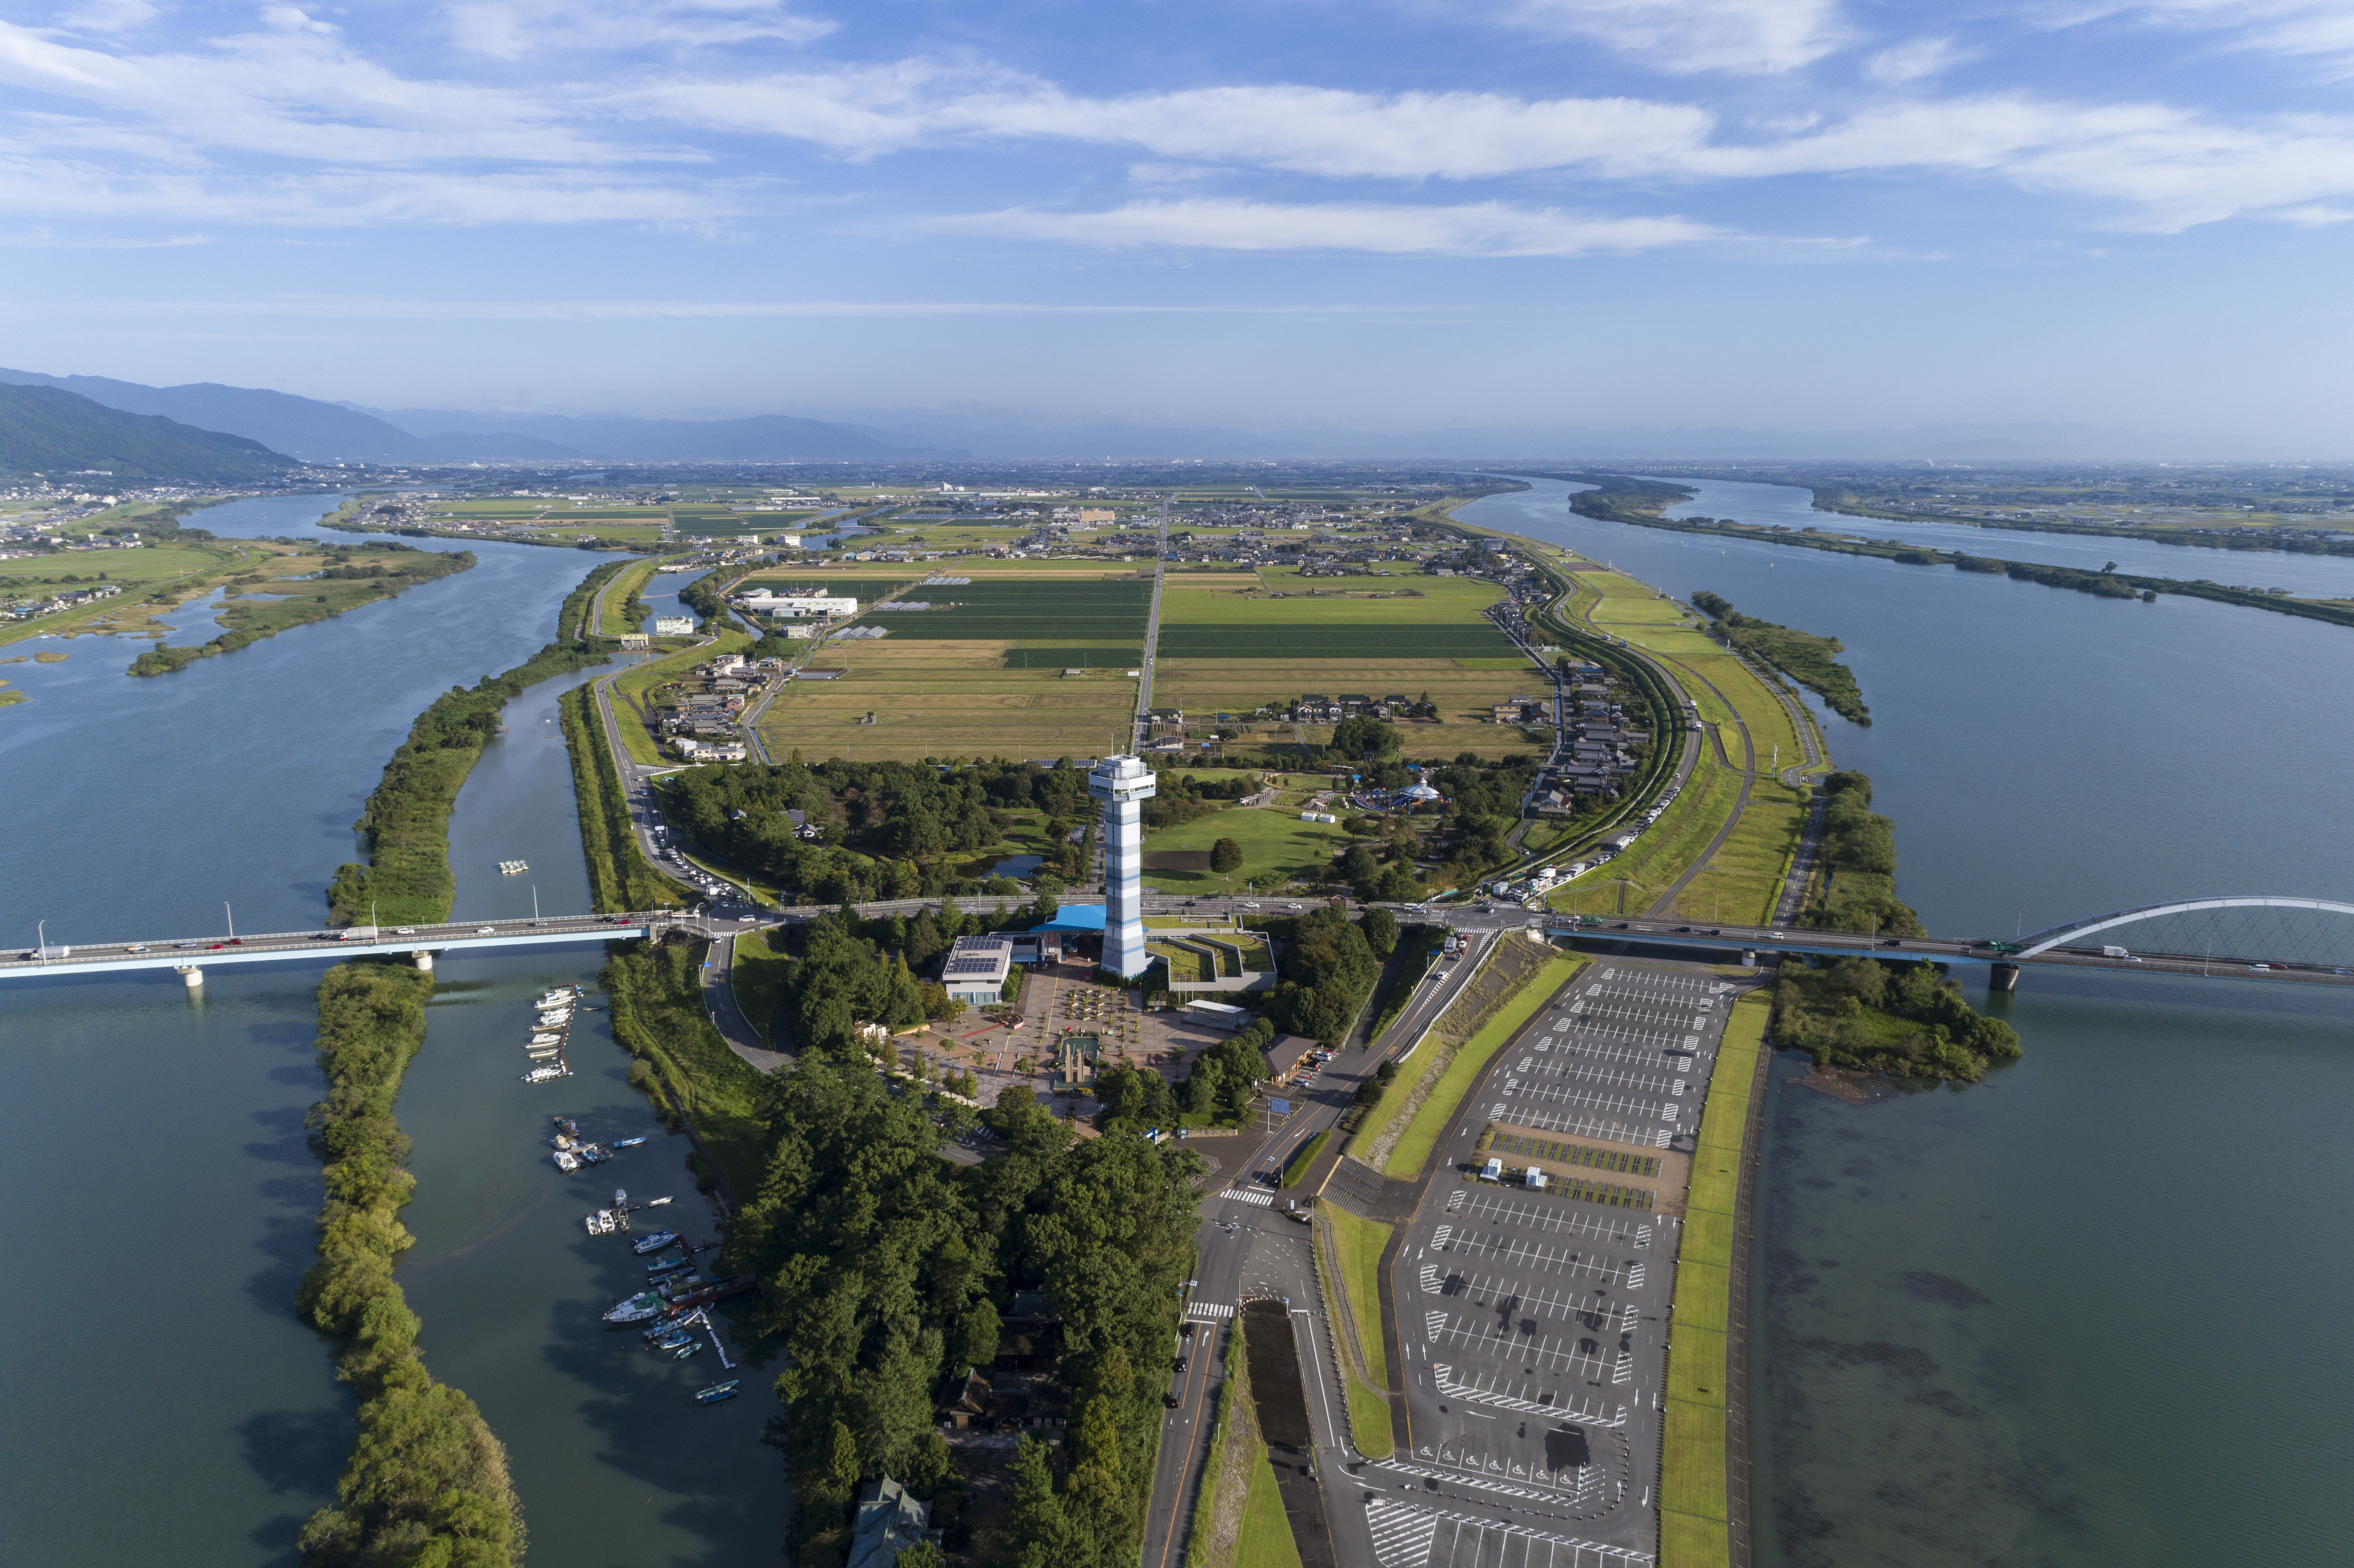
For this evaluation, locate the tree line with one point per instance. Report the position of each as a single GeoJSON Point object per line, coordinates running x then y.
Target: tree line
{"type": "Point", "coordinates": [1858, 890]}
{"type": "Point", "coordinates": [425, 1485]}
{"type": "Point", "coordinates": [1804, 656]}
{"type": "Point", "coordinates": [1908, 1020]}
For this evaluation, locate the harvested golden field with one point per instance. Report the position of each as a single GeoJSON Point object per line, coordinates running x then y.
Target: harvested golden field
{"type": "Point", "coordinates": [939, 698]}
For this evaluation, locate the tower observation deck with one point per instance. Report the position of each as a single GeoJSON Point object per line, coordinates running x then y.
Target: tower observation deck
{"type": "Point", "coordinates": [1123, 784]}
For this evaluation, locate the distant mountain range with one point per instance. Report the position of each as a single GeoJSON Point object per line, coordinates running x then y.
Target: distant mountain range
{"type": "Point", "coordinates": [58, 434]}
{"type": "Point", "coordinates": [318, 431]}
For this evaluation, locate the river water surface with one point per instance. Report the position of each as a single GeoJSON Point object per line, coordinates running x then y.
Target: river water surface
{"type": "Point", "coordinates": [162, 1404]}
{"type": "Point", "coordinates": [2091, 1311]}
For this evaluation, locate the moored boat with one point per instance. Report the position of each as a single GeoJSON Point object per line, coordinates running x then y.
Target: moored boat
{"type": "Point", "coordinates": [565, 1125]}
{"type": "Point", "coordinates": [714, 1291]}
{"type": "Point", "coordinates": [600, 1223]}
{"type": "Point", "coordinates": [541, 1074]}
{"type": "Point", "coordinates": [564, 1162]}
{"type": "Point", "coordinates": [717, 1392]}
{"type": "Point", "coordinates": [687, 1349]}
{"type": "Point", "coordinates": [653, 1243]}
{"type": "Point", "coordinates": [636, 1309]}
{"type": "Point", "coordinates": [628, 1142]}
{"type": "Point", "coordinates": [559, 996]}
{"type": "Point", "coordinates": [667, 1266]}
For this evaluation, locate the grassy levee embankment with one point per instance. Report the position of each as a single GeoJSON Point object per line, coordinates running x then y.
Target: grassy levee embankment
{"type": "Point", "coordinates": [1514, 979]}
{"type": "Point", "coordinates": [620, 876]}
{"type": "Point", "coordinates": [1350, 1266]}
{"type": "Point", "coordinates": [1693, 1527]}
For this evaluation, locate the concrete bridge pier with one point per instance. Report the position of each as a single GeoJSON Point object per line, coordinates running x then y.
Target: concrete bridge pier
{"type": "Point", "coordinates": [193, 975]}
{"type": "Point", "coordinates": [425, 961]}
{"type": "Point", "coordinates": [2003, 977]}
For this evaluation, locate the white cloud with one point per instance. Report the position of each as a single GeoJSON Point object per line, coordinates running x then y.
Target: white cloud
{"type": "Point", "coordinates": [1689, 36]}
{"type": "Point", "coordinates": [1481, 228]}
{"type": "Point", "coordinates": [1303, 130]}
{"type": "Point", "coordinates": [1916, 59]}
{"type": "Point", "coordinates": [106, 17]}
{"type": "Point", "coordinates": [2312, 29]}
{"type": "Point", "coordinates": [511, 30]}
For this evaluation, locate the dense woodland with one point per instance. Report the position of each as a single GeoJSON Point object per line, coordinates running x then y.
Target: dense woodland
{"type": "Point", "coordinates": [1908, 1020]}
{"type": "Point", "coordinates": [885, 1270]}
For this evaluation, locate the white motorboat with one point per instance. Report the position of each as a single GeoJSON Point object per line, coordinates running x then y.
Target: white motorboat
{"type": "Point", "coordinates": [565, 1160]}
{"type": "Point", "coordinates": [541, 1074]}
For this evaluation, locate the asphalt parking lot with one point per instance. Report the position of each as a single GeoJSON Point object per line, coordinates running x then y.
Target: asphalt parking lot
{"type": "Point", "coordinates": [1534, 1322]}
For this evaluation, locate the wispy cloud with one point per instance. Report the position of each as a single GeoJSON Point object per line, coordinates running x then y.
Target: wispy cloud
{"type": "Point", "coordinates": [1682, 37]}
{"type": "Point", "coordinates": [1482, 228]}
{"type": "Point", "coordinates": [1916, 59]}
{"type": "Point", "coordinates": [511, 29]}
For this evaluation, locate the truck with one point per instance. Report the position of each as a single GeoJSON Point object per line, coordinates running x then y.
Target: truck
{"type": "Point", "coordinates": [357, 934]}
{"type": "Point", "coordinates": [2117, 953]}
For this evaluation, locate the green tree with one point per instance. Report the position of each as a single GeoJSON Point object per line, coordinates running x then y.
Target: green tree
{"type": "Point", "coordinates": [1226, 857]}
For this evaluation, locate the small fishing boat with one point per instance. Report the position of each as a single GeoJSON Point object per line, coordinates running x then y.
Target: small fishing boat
{"type": "Point", "coordinates": [679, 1284]}
{"type": "Point", "coordinates": [595, 1153]}
{"type": "Point", "coordinates": [667, 1266]}
{"type": "Point", "coordinates": [565, 1125]}
{"type": "Point", "coordinates": [557, 996]}
{"type": "Point", "coordinates": [656, 1203]}
{"type": "Point", "coordinates": [687, 1349]}
{"type": "Point", "coordinates": [635, 1310]}
{"type": "Point", "coordinates": [565, 1161]}
{"type": "Point", "coordinates": [628, 1142]}
{"type": "Point", "coordinates": [653, 1243]}
{"type": "Point", "coordinates": [600, 1223]}
{"type": "Point", "coordinates": [538, 1040]}
{"type": "Point", "coordinates": [555, 1016]}
{"type": "Point", "coordinates": [717, 1392]}
{"type": "Point", "coordinates": [541, 1074]}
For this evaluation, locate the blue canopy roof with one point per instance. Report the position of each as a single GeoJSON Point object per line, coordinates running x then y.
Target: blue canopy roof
{"type": "Point", "coordinates": [1075, 917]}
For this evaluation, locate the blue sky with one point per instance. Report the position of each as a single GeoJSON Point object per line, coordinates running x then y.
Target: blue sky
{"type": "Point", "coordinates": [1398, 215]}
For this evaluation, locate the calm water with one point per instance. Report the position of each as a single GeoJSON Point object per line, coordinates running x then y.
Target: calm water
{"type": "Point", "coordinates": [173, 1409]}
{"type": "Point", "coordinates": [2090, 1311]}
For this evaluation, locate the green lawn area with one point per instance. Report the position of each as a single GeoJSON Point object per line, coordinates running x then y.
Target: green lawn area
{"type": "Point", "coordinates": [1359, 1244]}
{"type": "Point", "coordinates": [1310, 601]}
{"type": "Point", "coordinates": [631, 579]}
{"type": "Point", "coordinates": [1277, 846]}
{"type": "Point", "coordinates": [1267, 1535]}
{"type": "Point", "coordinates": [1692, 1485]}
{"type": "Point", "coordinates": [758, 978]}
{"type": "Point", "coordinates": [1423, 1133]}
{"type": "Point", "coordinates": [1369, 1420]}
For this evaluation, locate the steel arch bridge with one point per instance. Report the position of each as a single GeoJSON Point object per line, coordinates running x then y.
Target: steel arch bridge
{"type": "Point", "coordinates": [2075, 930]}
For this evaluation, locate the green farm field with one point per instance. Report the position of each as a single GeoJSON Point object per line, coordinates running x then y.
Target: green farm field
{"type": "Point", "coordinates": [1105, 612]}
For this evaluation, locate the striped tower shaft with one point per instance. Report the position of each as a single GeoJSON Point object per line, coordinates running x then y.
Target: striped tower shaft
{"type": "Point", "coordinates": [1121, 785]}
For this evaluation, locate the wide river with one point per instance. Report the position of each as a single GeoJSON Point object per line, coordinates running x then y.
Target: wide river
{"type": "Point", "coordinates": [161, 1403]}
{"type": "Point", "coordinates": [2092, 1310]}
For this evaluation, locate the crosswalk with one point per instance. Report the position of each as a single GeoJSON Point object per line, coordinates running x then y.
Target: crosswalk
{"type": "Point", "coordinates": [1208, 1311]}
{"type": "Point", "coordinates": [1410, 1535]}
{"type": "Point", "coordinates": [1245, 1196]}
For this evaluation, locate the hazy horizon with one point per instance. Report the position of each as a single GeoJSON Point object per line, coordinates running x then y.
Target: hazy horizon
{"type": "Point", "coordinates": [1412, 217]}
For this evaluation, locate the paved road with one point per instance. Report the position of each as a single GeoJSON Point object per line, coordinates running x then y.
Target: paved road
{"type": "Point", "coordinates": [744, 1037]}
{"type": "Point", "coordinates": [1233, 1226]}
{"type": "Point", "coordinates": [1153, 631]}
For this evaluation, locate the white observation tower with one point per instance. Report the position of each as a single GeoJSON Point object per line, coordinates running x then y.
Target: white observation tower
{"type": "Point", "coordinates": [1122, 783]}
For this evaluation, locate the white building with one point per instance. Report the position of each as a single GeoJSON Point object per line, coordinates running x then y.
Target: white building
{"type": "Point", "coordinates": [673, 625]}
{"type": "Point", "coordinates": [711, 751]}
{"type": "Point", "coordinates": [976, 968]}
{"type": "Point", "coordinates": [1123, 784]}
{"type": "Point", "coordinates": [800, 606]}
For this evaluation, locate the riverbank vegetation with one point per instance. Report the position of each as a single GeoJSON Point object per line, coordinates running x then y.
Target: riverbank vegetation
{"type": "Point", "coordinates": [680, 1060]}
{"type": "Point", "coordinates": [350, 577]}
{"type": "Point", "coordinates": [620, 878]}
{"type": "Point", "coordinates": [1803, 656]}
{"type": "Point", "coordinates": [885, 1271]}
{"type": "Point", "coordinates": [405, 827]}
{"type": "Point", "coordinates": [427, 1481]}
{"type": "Point", "coordinates": [1855, 886]}
{"type": "Point", "coordinates": [1907, 1020]}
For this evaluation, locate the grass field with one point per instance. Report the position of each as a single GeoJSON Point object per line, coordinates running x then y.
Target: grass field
{"type": "Point", "coordinates": [1359, 1244]}
{"type": "Point", "coordinates": [1463, 691]}
{"type": "Point", "coordinates": [631, 579]}
{"type": "Point", "coordinates": [1267, 1535]}
{"type": "Point", "coordinates": [1692, 1483]}
{"type": "Point", "coordinates": [1369, 1420]}
{"type": "Point", "coordinates": [1422, 1134]}
{"type": "Point", "coordinates": [1318, 618]}
{"type": "Point", "coordinates": [1275, 844]}
{"type": "Point", "coordinates": [935, 698]}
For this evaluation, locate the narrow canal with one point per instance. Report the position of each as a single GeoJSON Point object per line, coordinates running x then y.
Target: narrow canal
{"type": "Point", "coordinates": [171, 1408]}
{"type": "Point", "coordinates": [2088, 1311]}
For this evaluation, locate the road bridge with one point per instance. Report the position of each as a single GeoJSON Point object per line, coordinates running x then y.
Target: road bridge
{"type": "Point", "coordinates": [2239, 937]}
{"type": "Point", "coordinates": [191, 956]}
